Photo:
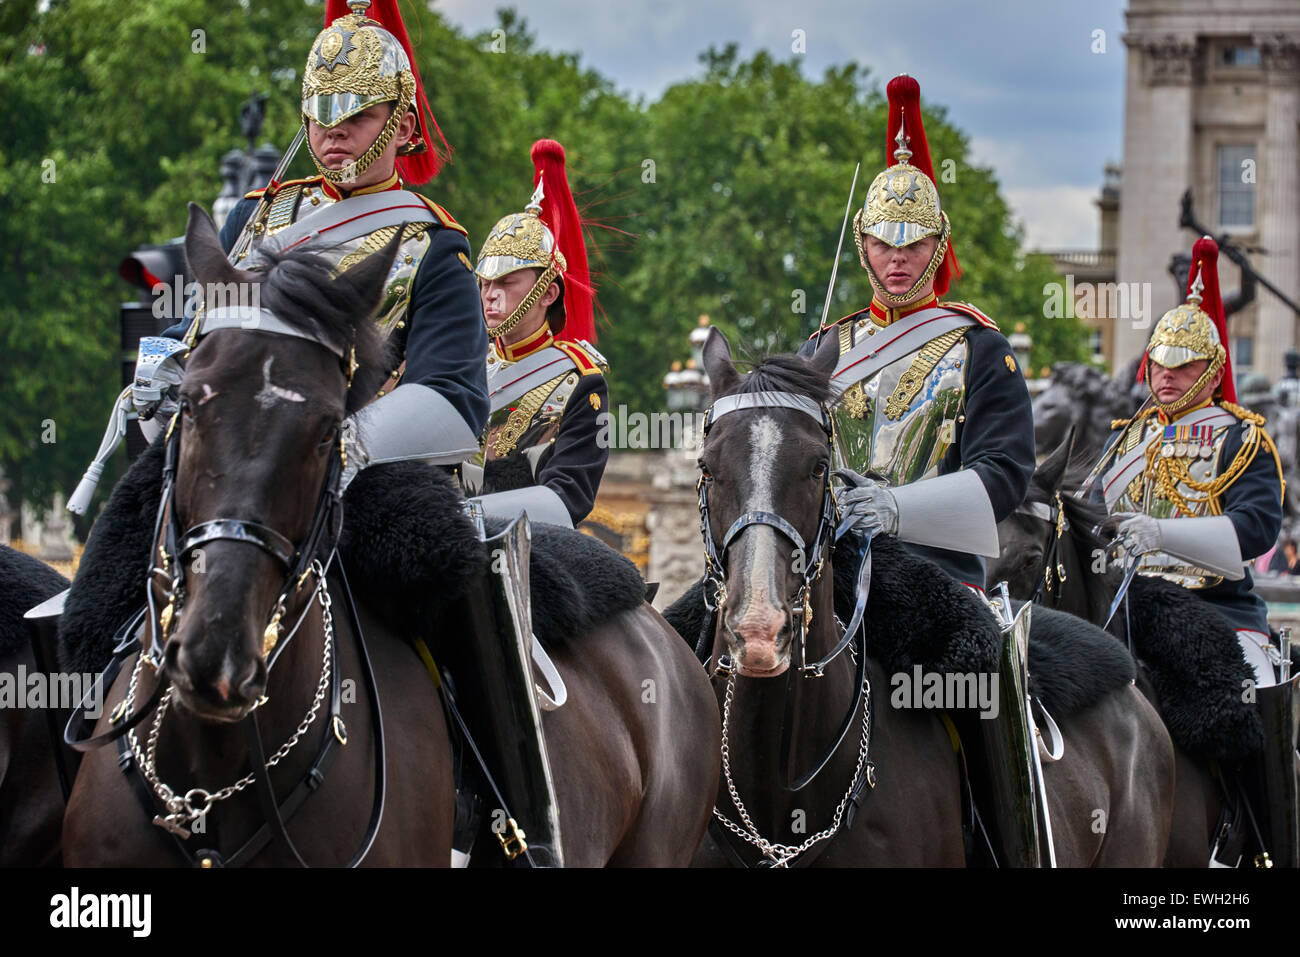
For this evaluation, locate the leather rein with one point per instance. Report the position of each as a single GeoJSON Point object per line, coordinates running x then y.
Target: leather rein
{"type": "Point", "coordinates": [170, 550]}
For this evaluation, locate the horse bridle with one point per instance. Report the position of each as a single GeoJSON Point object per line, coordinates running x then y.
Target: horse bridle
{"type": "Point", "coordinates": [715, 554]}
{"type": "Point", "coordinates": [170, 550]}
{"type": "Point", "coordinates": [1054, 515]}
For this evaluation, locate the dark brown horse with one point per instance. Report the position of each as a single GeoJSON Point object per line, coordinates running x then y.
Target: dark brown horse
{"type": "Point", "coordinates": [31, 798]}
{"type": "Point", "coordinates": [765, 463]}
{"type": "Point", "coordinates": [634, 781]}
{"type": "Point", "coordinates": [1053, 552]}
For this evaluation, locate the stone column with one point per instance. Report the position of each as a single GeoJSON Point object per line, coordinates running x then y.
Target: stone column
{"type": "Point", "coordinates": [1277, 204]}
{"type": "Point", "coordinates": [1157, 169]}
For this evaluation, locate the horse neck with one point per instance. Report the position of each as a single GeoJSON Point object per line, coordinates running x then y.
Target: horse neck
{"type": "Point", "coordinates": [755, 728]}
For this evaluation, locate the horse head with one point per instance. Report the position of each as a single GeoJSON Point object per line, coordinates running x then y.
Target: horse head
{"type": "Point", "coordinates": [765, 473]}
{"type": "Point", "coordinates": [258, 445]}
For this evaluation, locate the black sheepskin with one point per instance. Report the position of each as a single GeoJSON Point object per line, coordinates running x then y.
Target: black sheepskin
{"type": "Point", "coordinates": [1196, 666]}
{"type": "Point", "coordinates": [109, 586]}
{"type": "Point", "coordinates": [1072, 662]}
{"type": "Point", "coordinates": [25, 582]}
{"type": "Point", "coordinates": [409, 550]}
{"type": "Point", "coordinates": [917, 615]}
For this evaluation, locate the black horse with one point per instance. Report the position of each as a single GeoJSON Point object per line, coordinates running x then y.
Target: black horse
{"type": "Point", "coordinates": [634, 782]}
{"type": "Point", "coordinates": [31, 798]}
{"type": "Point", "coordinates": [1055, 550]}
{"type": "Point", "coordinates": [802, 691]}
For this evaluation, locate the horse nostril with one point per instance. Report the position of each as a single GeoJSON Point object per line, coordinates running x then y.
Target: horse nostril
{"type": "Point", "coordinates": [253, 682]}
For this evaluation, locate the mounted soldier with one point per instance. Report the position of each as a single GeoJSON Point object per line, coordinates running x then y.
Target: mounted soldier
{"type": "Point", "coordinates": [1195, 485]}
{"type": "Point", "coordinates": [933, 421]}
{"type": "Point", "coordinates": [545, 378]}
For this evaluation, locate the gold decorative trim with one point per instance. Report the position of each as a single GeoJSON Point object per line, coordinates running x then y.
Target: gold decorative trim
{"type": "Point", "coordinates": [521, 416]}
{"type": "Point", "coordinates": [911, 382]}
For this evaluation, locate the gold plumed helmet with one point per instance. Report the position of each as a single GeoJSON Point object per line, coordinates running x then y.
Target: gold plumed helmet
{"type": "Point", "coordinates": [1194, 331]}
{"type": "Point", "coordinates": [902, 205]}
{"type": "Point", "coordinates": [355, 63]}
{"type": "Point", "coordinates": [521, 241]}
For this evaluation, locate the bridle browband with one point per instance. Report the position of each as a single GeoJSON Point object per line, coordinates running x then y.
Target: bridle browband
{"type": "Point", "coordinates": [171, 549]}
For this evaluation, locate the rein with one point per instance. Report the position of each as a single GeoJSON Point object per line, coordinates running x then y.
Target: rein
{"type": "Point", "coordinates": [170, 551]}
{"type": "Point", "coordinates": [715, 595]}
{"type": "Point", "coordinates": [1054, 515]}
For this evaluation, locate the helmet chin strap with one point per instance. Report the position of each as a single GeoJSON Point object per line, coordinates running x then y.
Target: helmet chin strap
{"type": "Point", "coordinates": [354, 170]}
{"type": "Point", "coordinates": [1188, 398]}
{"type": "Point", "coordinates": [526, 304]}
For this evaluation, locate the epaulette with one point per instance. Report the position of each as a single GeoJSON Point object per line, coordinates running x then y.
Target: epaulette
{"type": "Point", "coordinates": [852, 315]}
{"type": "Point", "coordinates": [965, 308]}
{"type": "Point", "coordinates": [259, 193]}
{"type": "Point", "coordinates": [1242, 413]}
{"type": "Point", "coordinates": [584, 356]}
{"type": "Point", "coordinates": [444, 217]}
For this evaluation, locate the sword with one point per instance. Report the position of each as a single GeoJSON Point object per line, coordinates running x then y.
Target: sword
{"type": "Point", "coordinates": [839, 247]}
{"type": "Point", "coordinates": [1129, 572]}
{"type": "Point", "coordinates": [246, 235]}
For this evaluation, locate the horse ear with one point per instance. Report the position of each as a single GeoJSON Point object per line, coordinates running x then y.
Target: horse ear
{"type": "Point", "coordinates": [203, 252]}
{"type": "Point", "coordinates": [369, 276]}
{"type": "Point", "coordinates": [827, 355]}
{"type": "Point", "coordinates": [722, 373]}
{"type": "Point", "coordinates": [1051, 472]}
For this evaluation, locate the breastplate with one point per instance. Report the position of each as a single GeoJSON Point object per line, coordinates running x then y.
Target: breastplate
{"type": "Point", "coordinates": [526, 424]}
{"type": "Point", "coordinates": [900, 422]}
{"type": "Point", "coordinates": [284, 210]}
{"type": "Point", "coordinates": [1199, 455]}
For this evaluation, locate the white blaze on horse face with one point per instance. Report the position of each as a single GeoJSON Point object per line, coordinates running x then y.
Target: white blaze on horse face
{"type": "Point", "coordinates": [760, 618]}
{"type": "Point", "coordinates": [208, 394]}
{"type": "Point", "coordinates": [271, 394]}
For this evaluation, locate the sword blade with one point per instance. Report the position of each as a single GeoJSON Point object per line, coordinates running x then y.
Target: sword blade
{"type": "Point", "coordinates": [1122, 590]}
{"type": "Point", "coordinates": [839, 247]}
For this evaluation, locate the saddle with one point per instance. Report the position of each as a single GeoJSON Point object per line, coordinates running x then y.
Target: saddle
{"type": "Point", "coordinates": [410, 551]}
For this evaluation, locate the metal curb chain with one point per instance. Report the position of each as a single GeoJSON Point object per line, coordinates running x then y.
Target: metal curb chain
{"type": "Point", "coordinates": [782, 854]}
{"type": "Point", "coordinates": [181, 808]}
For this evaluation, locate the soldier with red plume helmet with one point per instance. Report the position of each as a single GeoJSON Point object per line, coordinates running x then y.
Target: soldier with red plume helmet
{"type": "Point", "coordinates": [545, 378]}
{"type": "Point", "coordinates": [1195, 484]}
{"type": "Point", "coordinates": [929, 402]}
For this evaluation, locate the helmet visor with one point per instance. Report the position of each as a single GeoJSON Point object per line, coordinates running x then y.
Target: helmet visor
{"type": "Point", "coordinates": [331, 109]}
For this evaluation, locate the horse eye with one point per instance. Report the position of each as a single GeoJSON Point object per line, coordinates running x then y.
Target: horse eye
{"type": "Point", "coordinates": [819, 470]}
{"type": "Point", "coordinates": [704, 471]}
{"type": "Point", "coordinates": [331, 433]}
{"type": "Point", "coordinates": [187, 408]}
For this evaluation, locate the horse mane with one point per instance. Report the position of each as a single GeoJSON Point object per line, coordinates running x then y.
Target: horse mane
{"type": "Point", "coordinates": [302, 290]}
{"type": "Point", "coordinates": [784, 373]}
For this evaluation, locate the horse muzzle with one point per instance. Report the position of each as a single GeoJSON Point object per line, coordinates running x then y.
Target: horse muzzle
{"type": "Point", "coordinates": [759, 640]}
{"type": "Point", "coordinates": [215, 687]}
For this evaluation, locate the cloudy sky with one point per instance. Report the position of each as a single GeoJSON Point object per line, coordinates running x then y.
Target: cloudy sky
{"type": "Point", "coordinates": [1018, 76]}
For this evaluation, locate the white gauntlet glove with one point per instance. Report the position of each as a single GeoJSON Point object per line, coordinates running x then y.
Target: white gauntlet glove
{"type": "Point", "coordinates": [870, 505]}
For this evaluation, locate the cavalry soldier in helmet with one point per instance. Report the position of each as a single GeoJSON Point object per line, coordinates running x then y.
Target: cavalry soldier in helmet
{"type": "Point", "coordinates": [1195, 485]}
{"type": "Point", "coordinates": [928, 402]}
{"type": "Point", "coordinates": [368, 130]}
{"type": "Point", "coordinates": [545, 378]}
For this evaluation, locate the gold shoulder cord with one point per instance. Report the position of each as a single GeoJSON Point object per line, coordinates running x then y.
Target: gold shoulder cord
{"type": "Point", "coordinates": [1170, 472]}
{"type": "Point", "coordinates": [912, 381]}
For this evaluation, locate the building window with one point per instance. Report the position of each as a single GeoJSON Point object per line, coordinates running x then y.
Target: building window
{"type": "Point", "coordinates": [1243, 352]}
{"type": "Point", "coordinates": [1095, 343]}
{"type": "Point", "coordinates": [1237, 186]}
{"type": "Point", "coordinates": [1239, 56]}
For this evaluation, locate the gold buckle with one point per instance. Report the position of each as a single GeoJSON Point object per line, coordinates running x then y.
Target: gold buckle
{"type": "Point", "coordinates": [512, 840]}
